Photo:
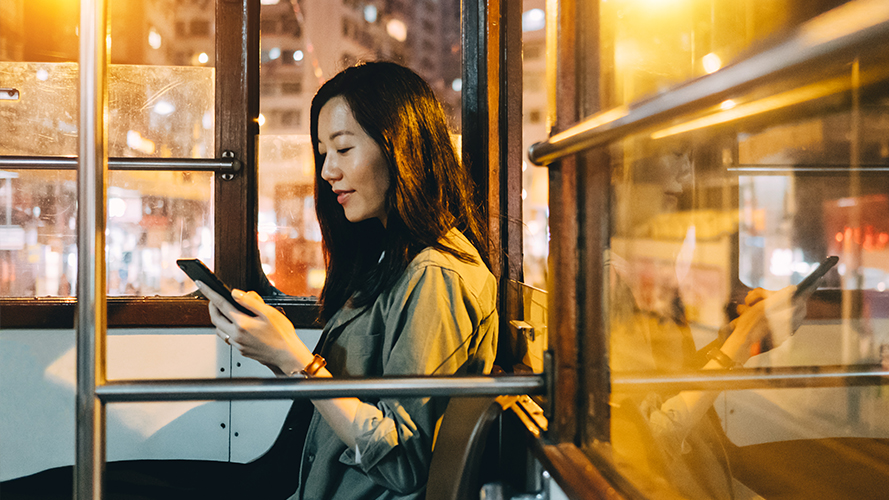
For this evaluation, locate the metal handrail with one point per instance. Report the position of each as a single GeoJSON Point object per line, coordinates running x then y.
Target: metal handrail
{"type": "Point", "coordinates": [753, 378]}
{"type": "Point", "coordinates": [856, 25]}
{"type": "Point", "coordinates": [321, 388]}
{"type": "Point", "coordinates": [92, 314]}
{"type": "Point", "coordinates": [221, 165]}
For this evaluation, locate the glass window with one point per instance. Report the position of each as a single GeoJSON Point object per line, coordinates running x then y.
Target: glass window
{"type": "Point", "coordinates": [535, 209]}
{"type": "Point", "coordinates": [649, 46]}
{"type": "Point", "coordinates": [153, 219]}
{"type": "Point", "coordinates": [535, 185]}
{"type": "Point", "coordinates": [753, 192]}
{"type": "Point", "coordinates": [161, 82]}
{"type": "Point", "coordinates": [336, 34]}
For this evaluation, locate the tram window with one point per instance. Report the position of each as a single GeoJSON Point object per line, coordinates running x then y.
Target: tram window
{"type": "Point", "coordinates": [752, 193]}
{"type": "Point", "coordinates": [157, 108]}
{"type": "Point", "coordinates": [535, 209]}
{"type": "Point", "coordinates": [288, 233]}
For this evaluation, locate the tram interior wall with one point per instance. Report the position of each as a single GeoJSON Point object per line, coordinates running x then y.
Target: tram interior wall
{"type": "Point", "coordinates": [37, 395]}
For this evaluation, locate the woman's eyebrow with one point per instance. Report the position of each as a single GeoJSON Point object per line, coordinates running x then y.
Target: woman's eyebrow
{"type": "Point", "coordinates": [339, 133]}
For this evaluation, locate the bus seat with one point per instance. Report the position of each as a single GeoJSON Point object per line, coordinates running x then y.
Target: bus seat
{"type": "Point", "coordinates": [454, 473]}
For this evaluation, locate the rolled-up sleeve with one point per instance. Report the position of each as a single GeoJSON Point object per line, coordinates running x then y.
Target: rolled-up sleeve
{"type": "Point", "coordinates": [669, 421]}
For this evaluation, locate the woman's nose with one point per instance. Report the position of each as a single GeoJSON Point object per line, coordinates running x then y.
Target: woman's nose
{"type": "Point", "coordinates": [329, 170]}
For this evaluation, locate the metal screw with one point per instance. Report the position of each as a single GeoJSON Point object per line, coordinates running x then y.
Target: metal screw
{"type": "Point", "coordinates": [228, 154]}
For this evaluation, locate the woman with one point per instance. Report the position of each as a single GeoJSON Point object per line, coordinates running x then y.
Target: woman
{"type": "Point", "coordinates": [407, 290]}
{"type": "Point", "coordinates": [667, 440]}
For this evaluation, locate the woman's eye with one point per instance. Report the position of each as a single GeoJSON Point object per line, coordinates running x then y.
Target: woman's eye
{"type": "Point", "coordinates": [343, 150]}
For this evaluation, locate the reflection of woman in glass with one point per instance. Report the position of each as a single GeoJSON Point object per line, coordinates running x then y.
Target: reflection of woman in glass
{"type": "Point", "coordinates": [675, 439]}
{"type": "Point", "coordinates": [407, 290]}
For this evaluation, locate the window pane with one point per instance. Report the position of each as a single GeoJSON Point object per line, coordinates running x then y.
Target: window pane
{"type": "Point", "coordinates": [754, 192]}
{"type": "Point", "coordinates": [535, 186]}
{"type": "Point", "coordinates": [160, 80]}
{"type": "Point", "coordinates": [147, 32]}
{"type": "Point", "coordinates": [303, 45]}
{"type": "Point", "coordinates": [153, 219]}
{"type": "Point", "coordinates": [535, 181]}
{"type": "Point", "coordinates": [650, 46]}
{"type": "Point", "coordinates": [790, 221]}
{"type": "Point", "coordinates": [154, 111]}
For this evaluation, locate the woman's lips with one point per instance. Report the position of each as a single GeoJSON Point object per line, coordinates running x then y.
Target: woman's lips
{"type": "Point", "coordinates": [342, 196]}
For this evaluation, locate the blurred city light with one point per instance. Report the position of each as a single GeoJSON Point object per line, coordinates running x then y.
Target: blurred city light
{"type": "Point", "coordinates": [533, 20]}
{"type": "Point", "coordinates": [154, 39]}
{"type": "Point", "coordinates": [397, 29]}
{"type": "Point", "coordinates": [164, 108]}
{"type": "Point", "coordinates": [139, 143]}
{"type": "Point", "coordinates": [370, 13]}
{"type": "Point", "coordinates": [712, 63]}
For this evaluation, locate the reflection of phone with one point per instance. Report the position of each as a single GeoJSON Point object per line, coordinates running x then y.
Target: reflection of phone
{"type": "Point", "coordinates": [811, 281]}
{"type": "Point", "coordinates": [197, 271]}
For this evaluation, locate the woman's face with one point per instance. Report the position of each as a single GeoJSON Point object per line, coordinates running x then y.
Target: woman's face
{"type": "Point", "coordinates": [354, 164]}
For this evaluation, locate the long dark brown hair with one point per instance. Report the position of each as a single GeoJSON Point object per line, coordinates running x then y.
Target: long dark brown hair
{"type": "Point", "coordinates": [430, 192]}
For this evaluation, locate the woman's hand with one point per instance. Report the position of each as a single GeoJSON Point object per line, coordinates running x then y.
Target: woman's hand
{"type": "Point", "coordinates": [268, 338]}
{"type": "Point", "coordinates": [765, 313]}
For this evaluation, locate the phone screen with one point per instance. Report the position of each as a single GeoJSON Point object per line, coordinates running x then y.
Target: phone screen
{"type": "Point", "coordinates": [197, 271]}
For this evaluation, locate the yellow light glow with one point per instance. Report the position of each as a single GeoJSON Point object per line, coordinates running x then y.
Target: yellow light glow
{"type": "Point", "coordinates": [261, 120]}
{"type": "Point", "coordinates": [203, 58]}
{"type": "Point", "coordinates": [711, 63]}
{"type": "Point", "coordinates": [727, 104]}
{"type": "Point", "coordinates": [591, 123]}
{"type": "Point", "coordinates": [782, 100]}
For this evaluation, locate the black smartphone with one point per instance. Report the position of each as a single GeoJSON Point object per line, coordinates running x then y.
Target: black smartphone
{"type": "Point", "coordinates": [811, 281]}
{"type": "Point", "coordinates": [197, 271]}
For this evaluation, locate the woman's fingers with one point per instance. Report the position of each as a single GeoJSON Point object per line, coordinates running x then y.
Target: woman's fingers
{"type": "Point", "coordinates": [250, 300]}
{"type": "Point", "coordinates": [223, 305]}
{"type": "Point", "coordinates": [267, 337]}
{"type": "Point", "coordinates": [756, 295]}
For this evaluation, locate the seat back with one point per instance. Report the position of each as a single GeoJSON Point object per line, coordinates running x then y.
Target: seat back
{"type": "Point", "coordinates": [456, 460]}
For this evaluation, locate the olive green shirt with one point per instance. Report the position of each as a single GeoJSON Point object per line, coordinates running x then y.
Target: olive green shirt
{"type": "Point", "coordinates": [440, 318]}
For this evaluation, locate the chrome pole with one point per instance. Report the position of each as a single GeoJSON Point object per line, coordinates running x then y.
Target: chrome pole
{"type": "Point", "coordinates": [92, 167]}
{"type": "Point", "coordinates": [223, 165]}
{"type": "Point", "coordinates": [120, 391]}
{"type": "Point", "coordinates": [752, 378]}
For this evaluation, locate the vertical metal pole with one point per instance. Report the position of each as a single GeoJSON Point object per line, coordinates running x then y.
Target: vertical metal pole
{"type": "Point", "coordinates": [92, 166]}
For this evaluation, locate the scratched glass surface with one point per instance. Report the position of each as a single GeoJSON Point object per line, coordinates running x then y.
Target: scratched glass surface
{"type": "Point", "coordinates": [153, 219]}
{"type": "Point", "coordinates": [153, 111]}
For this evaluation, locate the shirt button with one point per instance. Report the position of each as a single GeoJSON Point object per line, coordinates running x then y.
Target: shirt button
{"type": "Point", "coordinates": [310, 458]}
